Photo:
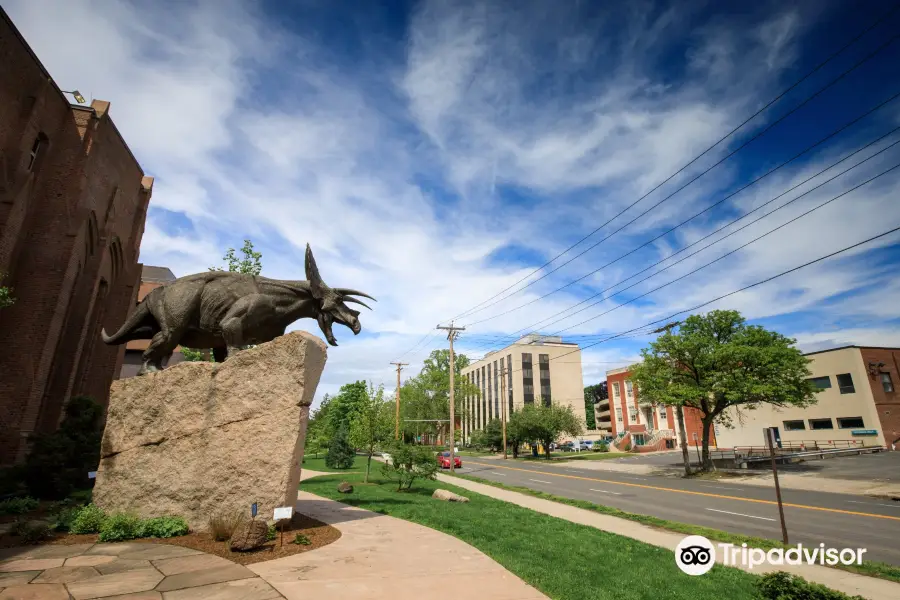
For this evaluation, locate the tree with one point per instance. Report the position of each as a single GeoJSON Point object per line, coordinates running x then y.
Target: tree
{"type": "Point", "coordinates": [593, 394]}
{"type": "Point", "coordinates": [6, 297]}
{"type": "Point", "coordinates": [537, 423]}
{"type": "Point", "coordinates": [409, 462]}
{"type": "Point", "coordinates": [515, 432]}
{"type": "Point", "coordinates": [716, 362]}
{"type": "Point", "coordinates": [371, 424]}
{"type": "Point", "coordinates": [348, 401]}
{"type": "Point", "coordinates": [340, 453]}
{"type": "Point", "coordinates": [490, 437]}
{"type": "Point", "coordinates": [318, 428]}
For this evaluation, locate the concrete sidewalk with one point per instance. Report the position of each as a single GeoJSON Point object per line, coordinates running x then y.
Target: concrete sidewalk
{"type": "Point", "coordinates": [383, 557]}
{"type": "Point", "coordinates": [849, 583]}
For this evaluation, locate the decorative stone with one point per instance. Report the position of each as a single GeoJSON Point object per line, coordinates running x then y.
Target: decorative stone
{"type": "Point", "coordinates": [203, 438]}
{"type": "Point", "coordinates": [345, 488]}
{"type": "Point", "coordinates": [448, 496]}
{"type": "Point", "coordinates": [250, 534]}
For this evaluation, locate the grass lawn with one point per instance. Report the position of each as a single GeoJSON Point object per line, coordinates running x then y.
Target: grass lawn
{"type": "Point", "coordinates": [359, 464]}
{"type": "Point", "coordinates": [870, 568]}
{"type": "Point", "coordinates": [564, 560]}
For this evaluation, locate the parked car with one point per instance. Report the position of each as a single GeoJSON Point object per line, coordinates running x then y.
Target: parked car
{"type": "Point", "coordinates": [444, 460]}
{"type": "Point", "coordinates": [567, 447]}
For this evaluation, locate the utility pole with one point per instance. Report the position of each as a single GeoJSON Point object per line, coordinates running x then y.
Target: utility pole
{"type": "Point", "coordinates": [503, 405]}
{"type": "Point", "coordinates": [451, 335]}
{"type": "Point", "coordinates": [769, 432]}
{"type": "Point", "coordinates": [400, 365]}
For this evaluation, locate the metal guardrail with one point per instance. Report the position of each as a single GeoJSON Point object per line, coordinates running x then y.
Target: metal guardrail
{"type": "Point", "coordinates": [781, 455]}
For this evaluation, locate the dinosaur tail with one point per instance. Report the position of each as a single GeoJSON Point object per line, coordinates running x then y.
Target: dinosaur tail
{"type": "Point", "coordinates": [119, 337]}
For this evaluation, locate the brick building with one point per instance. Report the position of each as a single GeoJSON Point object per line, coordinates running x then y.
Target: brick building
{"type": "Point", "coordinates": [73, 200]}
{"type": "Point", "coordinates": [151, 278]}
{"type": "Point", "coordinates": [641, 425]}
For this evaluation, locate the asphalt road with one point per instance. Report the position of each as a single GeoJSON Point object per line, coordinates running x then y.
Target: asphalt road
{"type": "Point", "coordinates": [837, 520]}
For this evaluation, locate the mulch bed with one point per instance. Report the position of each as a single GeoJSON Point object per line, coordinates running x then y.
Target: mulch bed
{"type": "Point", "coordinates": [318, 533]}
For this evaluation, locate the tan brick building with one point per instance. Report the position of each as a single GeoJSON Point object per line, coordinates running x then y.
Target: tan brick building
{"type": "Point", "coordinates": [73, 200]}
{"type": "Point", "coordinates": [538, 369]}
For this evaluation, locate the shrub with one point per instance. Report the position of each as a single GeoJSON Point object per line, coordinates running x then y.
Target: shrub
{"type": "Point", "coordinates": [222, 526]}
{"type": "Point", "coordinates": [119, 527]}
{"type": "Point", "coordinates": [59, 462]}
{"type": "Point", "coordinates": [408, 463]}
{"type": "Point", "coordinates": [65, 518]}
{"type": "Point", "coordinates": [601, 447]}
{"type": "Point", "coordinates": [89, 520]}
{"type": "Point", "coordinates": [340, 453]}
{"type": "Point", "coordinates": [163, 527]}
{"type": "Point", "coordinates": [784, 586]}
{"type": "Point", "coordinates": [271, 534]}
{"type": "Point", "coordinates": [301, 540]}
{"type": "Point", "coordinates": [18, 506]}
{"type": "Point", "coordinates": [32, 531]}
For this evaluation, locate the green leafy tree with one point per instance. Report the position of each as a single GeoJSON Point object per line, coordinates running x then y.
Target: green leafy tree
{"type": "Point", "coordinates": [409, 462]}
{"type": "Point", "coordinates": [6, 297]}
{"type": "Point", "coordinates": [716, 362]}
{"type": "Point", "coordinates": [425, 398]}
{"type": "Point", "coordinates": [340, 452]}
{"type": "Point", "coordinates": [515, 433]}
{"type": "Point", "coordinates": [593, 394]}
{"type": "Point", "coordinates": [348, 401]}
{"type": "Point", "coordinates": [537, 423]}
{"type": "Point", "coordinates": [318, 428]}
{"type": "Point", "coordinates": [372, 424]}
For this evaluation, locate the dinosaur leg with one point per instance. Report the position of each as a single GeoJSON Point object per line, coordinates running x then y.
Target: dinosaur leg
{"type": "Point", "coordinates": [161, 347]}
{"type": "Point", "coordinates": [220, 354]}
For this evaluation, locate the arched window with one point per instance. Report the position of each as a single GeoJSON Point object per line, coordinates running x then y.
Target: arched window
{"type": "Point", "coordinates": [37, 149]}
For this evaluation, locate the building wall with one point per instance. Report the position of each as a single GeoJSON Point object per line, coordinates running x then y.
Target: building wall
{"type": "Point", "coordinates": [71, 222]}
{"type": "Point", "coordinates": [566, 382]}
{"type": "Point", "coordinates": [830, 404]}
{"type": "Point", "coordinates": [887, 403]}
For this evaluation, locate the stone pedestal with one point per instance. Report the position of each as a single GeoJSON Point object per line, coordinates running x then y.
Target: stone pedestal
{"type": "Point", "coordinates": [202, 438]}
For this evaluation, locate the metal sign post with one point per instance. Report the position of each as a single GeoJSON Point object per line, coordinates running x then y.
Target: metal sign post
{"type": "Point", "coordinates": [770, 442]}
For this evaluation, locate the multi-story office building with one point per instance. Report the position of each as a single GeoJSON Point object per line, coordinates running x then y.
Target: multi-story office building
{"type": "Point", "coordinates": [537, 369]}
{"type": "Point", "coordinates": [857, 402]}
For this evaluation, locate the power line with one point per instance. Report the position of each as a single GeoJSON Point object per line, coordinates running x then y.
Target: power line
{"type": "Point", "coordinates": [679, 171]}
{"type": "Point", "coordinates": [544, 322]}
{"type": "Point", "coordinates": [708, 208]}
{"type": "Point", "coordinates": [723, 296]}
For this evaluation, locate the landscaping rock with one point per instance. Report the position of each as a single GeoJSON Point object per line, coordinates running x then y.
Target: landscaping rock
{"type": "Point", "coordinates": [201, 438]}
{"type": "Point", "coordinates": [345, 488]}
{"type": "Point", "coordinates": [448, 496]}
{"type": "Point", "coordinates": [250, 534]}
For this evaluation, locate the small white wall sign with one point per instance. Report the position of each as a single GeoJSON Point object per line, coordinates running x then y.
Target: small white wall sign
{"type": "Point", "coordinates": [283, 512]}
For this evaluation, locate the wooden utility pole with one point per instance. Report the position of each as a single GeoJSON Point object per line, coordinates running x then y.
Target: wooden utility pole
{"type": "Point", "coordinates": [451, 335]}
{"type": "Point", "coordinates": [503, 401]}
{"type": "Point", "coordinates": [400, 365]}
{"type": "Point", "coordinates": [770, 442]}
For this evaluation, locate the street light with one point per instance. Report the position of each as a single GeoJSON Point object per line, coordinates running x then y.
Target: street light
{"type": "Point", "coordinates": [78, 97]}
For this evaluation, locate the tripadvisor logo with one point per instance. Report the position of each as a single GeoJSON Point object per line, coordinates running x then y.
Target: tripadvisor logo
{"type": "Point", "coordinates": [696, 555]}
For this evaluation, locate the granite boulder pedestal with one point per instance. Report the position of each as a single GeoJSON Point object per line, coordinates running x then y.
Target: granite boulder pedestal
{"type": "Point", "coordinates": [200, 438]}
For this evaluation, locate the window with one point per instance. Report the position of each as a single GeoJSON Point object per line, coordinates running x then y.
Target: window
{"type": "Point", "coordinates": [820, 424]}
{"type": "Point", "coordinates": [629, 389]}
{"type": "Point", "coordinates": [663, 415]}
{"type": "Point", "coordinates": [822, 383]}
{"type": "Point", "coordinates": [509, 385]}
{"type": "Point", "coordinates": [850, 423]}
{"type": "Point", "coordinates": [794, 425]}
{"type": "Point", "coordinates": [544, 370]}
{"type": "Point", "coordinates": [527, 379]}
{"type": "Point", "coordinates": [886, 382]}
{"type": "Point", "coordinates": [35, 152]}
{"type": "Point", "coordinates": [845, 383]}
{"type": "Point", "coordinates": [618, 414]}
{"type": "Point", "coordinates": [616, 390]}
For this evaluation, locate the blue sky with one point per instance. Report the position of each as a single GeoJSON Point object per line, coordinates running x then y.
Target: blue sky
{"type": "Point", "coordinates": [435, 153]}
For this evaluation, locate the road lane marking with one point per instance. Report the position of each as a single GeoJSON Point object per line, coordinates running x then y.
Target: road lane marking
{"type": "Point", "coordinates": [606, 492]}
{"type": "Point", "coordinates": [874, 504]}
{"type": "Point", "coordinates": [722, 487]}
{"type": "Point", "coordinates": [539, 481]}
{"type": "Point", "coordinates": [500, 474]}
{"type": "Point", "coordinates": [727, 512]}
{"type": "Point", "coordinates": [707, 494]}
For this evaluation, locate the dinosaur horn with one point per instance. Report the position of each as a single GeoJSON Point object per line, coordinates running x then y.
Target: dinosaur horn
{"type": "Point", "coordinates": [316, 285]}
{"type": "Point", "coordinates": [349, 292]}
{"type": "Point", "coordinates": [354, 300]}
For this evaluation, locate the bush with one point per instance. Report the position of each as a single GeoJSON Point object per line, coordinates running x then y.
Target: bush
{"type": "Point", "coordinates": [32, 531]}
{"type": "Point", "coordinates": [301, 540]}
{"type": "Point", "coordinates": [119, 527]}
{"type": "Point", "coordinates": [271, 534]}
{"type": "Point", "coordinates": [784, 586]}
{"type": "Point", "coordinates": [89, 520]}
{"type": "Point", "coordinates": [163, 527]}
{"type": "Point", "coordinates": [65, 518]}
{"type": "Point", "coordinates": [222, 526]}
{"type": "Point", "coordinates": [601, 447]}
{"type": "Point", "coordinates": [18, 506]}
{"type": "Point", "coordinates": [59, 462]}
{"type": "Point", "coordinates": [340, 453]}
{"type": "Point", "coordinates": [408, 463]}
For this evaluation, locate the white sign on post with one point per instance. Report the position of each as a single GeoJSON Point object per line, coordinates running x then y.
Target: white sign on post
{"type": "Point", "coordinates": [92, 474]}
{"type": "Point", "coordinates": [283, 512]}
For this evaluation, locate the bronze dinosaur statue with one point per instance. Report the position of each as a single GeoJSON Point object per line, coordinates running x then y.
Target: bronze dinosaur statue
{"type": "Point", "coordinates": [225, 311]}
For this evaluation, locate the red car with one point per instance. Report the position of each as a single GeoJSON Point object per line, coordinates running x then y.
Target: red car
{"type": "Point", "coordinates": [444, 461]}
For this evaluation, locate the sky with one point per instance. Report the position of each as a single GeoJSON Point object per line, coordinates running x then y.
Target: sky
{"type": "Point", "coordinates": [436, 154]}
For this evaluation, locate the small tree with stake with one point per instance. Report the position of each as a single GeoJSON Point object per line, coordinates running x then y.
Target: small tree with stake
{"type": "Point", "coordinates": [371, 424]}
{"type": "Point", "coordinates": [340, 453]}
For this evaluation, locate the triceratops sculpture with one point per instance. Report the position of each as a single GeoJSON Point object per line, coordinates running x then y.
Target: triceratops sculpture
{"type": "Point", "coordinates": [225, 311]}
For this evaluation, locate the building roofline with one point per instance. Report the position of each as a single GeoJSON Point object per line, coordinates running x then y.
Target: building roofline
{"type": "Point", "coordinates": [851, 346]}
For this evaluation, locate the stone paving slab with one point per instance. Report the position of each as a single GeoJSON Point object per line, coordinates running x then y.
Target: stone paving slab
{"type": "Point", "coordinates": [241, 589]}
{"type": "Point", "coordinates": [123, 564]}
{"type": "Point", "coordinates": [129, 582]}
{"type": "Point", "coordinates": [60, 551]}
{"type": "Point", "coordinates": [158, 552]}
{"type": "Point", "coordinates": [195, 562]}
{"type": "Point", "coordinates": [17, 578]}
{"type": "Point", "coordinates": [35, 591]}
{"type": "Point", "coordinates": [204, 577]}
{"type": "Point", "coordinates": [30, 564]}
{"type": "Point", "coordinates": [66, 575]}
{"type": "Point", "coordinates": [89, 561]}
{"type": "Point", "coordinates": [137, 596]}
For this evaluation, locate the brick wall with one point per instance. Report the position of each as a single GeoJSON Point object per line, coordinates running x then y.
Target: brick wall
{"type": "Point", "coordinates": [70, 226]}
{"type": "Point", "coordinates": [887, 404]}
